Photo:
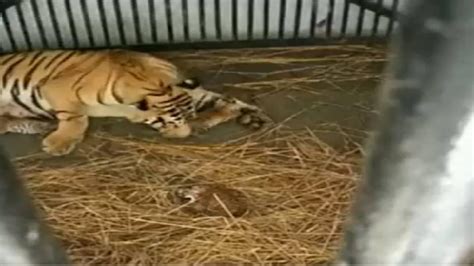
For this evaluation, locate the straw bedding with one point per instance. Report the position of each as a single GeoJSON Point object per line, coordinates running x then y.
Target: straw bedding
{"type": "Point", "coordinates": [109, 203]}
{"type": "Point", "coordinates": [111, 207]}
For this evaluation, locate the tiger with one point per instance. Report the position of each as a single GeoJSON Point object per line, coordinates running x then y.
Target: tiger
{"type": "Point", "coordinates": [70, 86]}
{"type": "Point", "coordinates": [208, 109]}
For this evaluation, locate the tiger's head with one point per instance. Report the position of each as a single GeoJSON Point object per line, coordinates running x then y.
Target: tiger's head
{"type": "Point", "coordinates": [169, 113]}
{"type": "Point", "coordinates": [131, 85]}
{"type": "Point", "coordinates": [157, 91]}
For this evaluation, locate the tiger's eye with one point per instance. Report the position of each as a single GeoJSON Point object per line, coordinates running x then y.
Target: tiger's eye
{"type": "Point", "coordinates": [142, 105]}
{"type": "Point", "coordinates": [190, 83]}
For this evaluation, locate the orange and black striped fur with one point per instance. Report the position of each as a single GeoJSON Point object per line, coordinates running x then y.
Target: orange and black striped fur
{"type": "Point", "coordinates": [71, 86]}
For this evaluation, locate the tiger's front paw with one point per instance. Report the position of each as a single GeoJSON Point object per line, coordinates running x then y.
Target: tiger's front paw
{"type": "Point", "coordinates": [253, 118]}
{"type": "Point", "coordinates": [58, 145]}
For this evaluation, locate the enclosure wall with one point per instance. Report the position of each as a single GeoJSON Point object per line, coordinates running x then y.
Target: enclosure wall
{"type": "Point", "coordinates": [50, 24]}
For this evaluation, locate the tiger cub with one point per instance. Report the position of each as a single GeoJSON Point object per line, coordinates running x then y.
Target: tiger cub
{"type": "Point", "coordinates": [71, 86]}
{"type": "Point", "coordinates": [24, 125]}
{"type": "Point", "coordinates": [209, 109]}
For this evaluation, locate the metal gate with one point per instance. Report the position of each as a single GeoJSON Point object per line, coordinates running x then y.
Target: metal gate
{"type": "Point", "coordinates": [48, 24]}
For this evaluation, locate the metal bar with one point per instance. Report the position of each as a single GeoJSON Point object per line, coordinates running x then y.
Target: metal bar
{"type": "Point", "coordinates": [330, 18]}
{"type": "Point", "coordinates": [185, 20]}
{"type": "Point", "coordinates": [415, 205]}
{"type": "Point", "coordinates": [250, 23]}
{"type": "Point", "coordinates": [202, 19]}
{"type": "Point", "coordinates": [345, 17]}
{"type": "Point", "coordinates": [377, 18]}
{"type": "Point", "coordinates": [15, 28]}
{"type": "Point", "coordinates": [360, 21]}
{"type": "Point", "coordinates": [314, 18]}
{"type": "Point", "coordinates": [392, 19]}
{"type": "Point", "coordinates": [234, 19]}
{"type": "Point", "coordinates": [375, 7]}
{"type": "Point", "coordinates": [297, 21]}
{"type": "Point", "coordinates": [4, 4]}
{"type": "Point", "coordinates": [266, 16]}
{"type": "Point", "coordinates": [217, 12]}
{"type": "Point", "coordinates": [24, 238]}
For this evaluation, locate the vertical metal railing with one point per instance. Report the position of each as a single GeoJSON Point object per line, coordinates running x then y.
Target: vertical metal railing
{"type": "Point", "coordinates": [68, 24]}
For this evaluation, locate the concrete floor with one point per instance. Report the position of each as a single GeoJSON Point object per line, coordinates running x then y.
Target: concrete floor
{"type": "Point", "coordinates": [330, 89]}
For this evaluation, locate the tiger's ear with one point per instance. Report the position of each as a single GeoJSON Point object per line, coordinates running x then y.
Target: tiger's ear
{"type": "Point", "coordinates": [189, 83]}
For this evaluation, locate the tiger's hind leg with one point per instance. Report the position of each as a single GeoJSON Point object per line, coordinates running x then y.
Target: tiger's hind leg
{"type": "Point", "coordinates": [26, 126]}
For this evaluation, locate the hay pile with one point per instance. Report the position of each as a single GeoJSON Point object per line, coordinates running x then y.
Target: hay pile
{"type": "Point", "coordinates": [109, 204]}
{"type": "Point", "coordinates": [276, 69]}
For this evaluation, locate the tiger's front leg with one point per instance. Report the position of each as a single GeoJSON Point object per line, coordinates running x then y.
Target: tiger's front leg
{"type": "Point", "coordinates": [71, 113]}
{"type": "Point", "coordinates": [70, 131]}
